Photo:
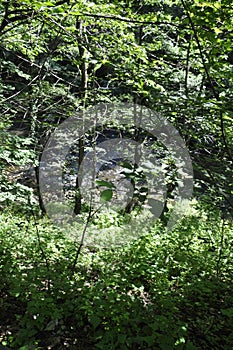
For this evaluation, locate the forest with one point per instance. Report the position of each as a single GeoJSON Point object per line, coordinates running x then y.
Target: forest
{"type": "Point", "coordinates": [116, 175]}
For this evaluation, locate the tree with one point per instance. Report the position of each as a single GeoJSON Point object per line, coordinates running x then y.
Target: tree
{"type": "Point", "coordinates": [175, 58]}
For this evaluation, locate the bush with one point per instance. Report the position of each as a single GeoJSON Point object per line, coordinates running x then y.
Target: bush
{"type": "Point", "coordinates": [161, 291]}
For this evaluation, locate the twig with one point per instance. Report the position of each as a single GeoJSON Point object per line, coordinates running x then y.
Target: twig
{"type": "Point", "coordinates": [220, 250]}
{"type": "Point", "coordinates": [187, 68]}
{"type": "Point", "coordinates": [39, 243]}
{"type": "Point", "coordinates": [90, 216]}
{"type": "Point", "coordinates": [128, 20]}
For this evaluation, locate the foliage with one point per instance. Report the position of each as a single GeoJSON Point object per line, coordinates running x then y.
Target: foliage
{"type": "Point", "coordinates": [174, 57]}
{"type": "Point", "coordinates": [163, 291]}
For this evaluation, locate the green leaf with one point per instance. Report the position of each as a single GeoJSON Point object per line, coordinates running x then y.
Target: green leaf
{"type": "Point", "coordinates": [227, 312]}
{"type": "Point", "coordinates": [126, 165]}
{"type": "Point", "coordinates": [108, 184]}
{"type": "Point", "coordinates": [95, 321]}
{"type": "Point", "coordinates": [106, 195]}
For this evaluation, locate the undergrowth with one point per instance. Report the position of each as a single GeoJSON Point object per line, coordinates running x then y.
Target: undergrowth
{"type": "Point", "coordinates": [164, 290]}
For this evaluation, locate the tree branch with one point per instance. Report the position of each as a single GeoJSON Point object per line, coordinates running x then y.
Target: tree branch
{"type": "Point", "coordinates": [124, 19]}
{"type": "Point", "coordinates": [225, 143]}
{"type": "Point", "coordinates": [21, 15]}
